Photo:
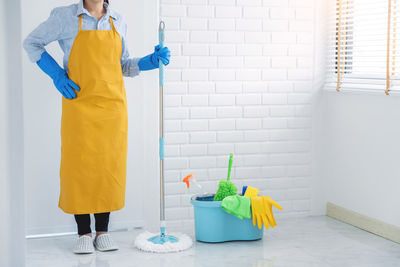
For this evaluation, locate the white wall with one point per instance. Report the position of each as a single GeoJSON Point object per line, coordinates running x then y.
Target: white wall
{"type": "Point", "coordinates": [12, 243]}
{"type": "Point", "coordinates": [362, 151]}
{"type": "Point", "coordinates": [358, 152]}
{"type": "Point", "coordinates": [241, 80]}
{"type": "Point", "coordinates": [320, 58]}
{"type": "Point", "coordinates": [42, 110]}
{"type": "Point", "coordinates": [4, 152]}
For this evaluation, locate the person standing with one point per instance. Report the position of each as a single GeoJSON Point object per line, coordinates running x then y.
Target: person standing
{"type": "Point", "coordinates": [94, 119]}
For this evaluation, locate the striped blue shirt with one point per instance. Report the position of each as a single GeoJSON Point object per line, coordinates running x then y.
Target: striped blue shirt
{"type": "Point", "coordinates": [63, 26]}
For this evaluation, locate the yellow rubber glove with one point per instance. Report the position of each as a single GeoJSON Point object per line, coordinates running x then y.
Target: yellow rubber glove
{"type": "Point", "coordinates": [261, 208]}
{"type": "Point", "coordinates": [259, 212]}
{"type": "Point", "coordinates": [269, 202]}
{"type": "Point", "coordinates": [251, 192]}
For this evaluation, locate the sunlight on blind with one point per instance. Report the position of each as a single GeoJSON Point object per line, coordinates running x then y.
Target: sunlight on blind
{"type": "Point", "coordinates": [363, 45]}
{"type": "Point", "coordinates": [392, 80]}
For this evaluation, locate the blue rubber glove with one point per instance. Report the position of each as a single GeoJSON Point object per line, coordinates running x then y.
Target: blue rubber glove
{"type": "Point", "coordinates": [150, 62]}
{"type": "Point", "coordinates": [59, 76]}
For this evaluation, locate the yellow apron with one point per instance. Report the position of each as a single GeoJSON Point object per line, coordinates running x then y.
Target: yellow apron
{"type": "Point", "coordinates": [94, 126]}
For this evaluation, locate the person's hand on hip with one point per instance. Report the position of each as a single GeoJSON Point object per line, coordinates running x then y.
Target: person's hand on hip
{"type": "Point", "coordinates": [59, 76]}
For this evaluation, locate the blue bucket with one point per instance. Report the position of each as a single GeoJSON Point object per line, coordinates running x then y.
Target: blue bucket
{"type": "Point", "coordinates": [213, 224]}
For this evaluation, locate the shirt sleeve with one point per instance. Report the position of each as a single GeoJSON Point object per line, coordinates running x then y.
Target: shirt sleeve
{"type": "Point", "coordinates": [130, 67]}
{"type": "Point", "coordinates": [47, 32]}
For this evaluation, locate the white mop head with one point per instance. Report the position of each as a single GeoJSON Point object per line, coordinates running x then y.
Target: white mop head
{"type": "Point", "coordinates": [142, 243]}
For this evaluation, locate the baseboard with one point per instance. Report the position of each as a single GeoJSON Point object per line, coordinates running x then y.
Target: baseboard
{"type": "Point", "coordinates": [366, 223]}
{"type": "Point", "coordinates": [71, 229]}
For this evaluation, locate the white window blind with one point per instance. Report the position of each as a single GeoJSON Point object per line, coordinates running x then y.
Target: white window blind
{"type": "Point", "coordinates": [363, 46]}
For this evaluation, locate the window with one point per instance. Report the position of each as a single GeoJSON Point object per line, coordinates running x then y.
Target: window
{"type": "Point", "coordinates": [363, 45]}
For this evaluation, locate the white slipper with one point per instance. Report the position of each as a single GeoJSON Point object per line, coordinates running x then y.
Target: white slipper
{"type": "Point", "coordinates": [104, 242]}
{"type": "Point", "coordinates": [84, 245]}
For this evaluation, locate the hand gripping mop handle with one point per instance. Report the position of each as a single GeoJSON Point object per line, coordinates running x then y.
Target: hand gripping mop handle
{"type": "Point", "coordinates": [161, 38]}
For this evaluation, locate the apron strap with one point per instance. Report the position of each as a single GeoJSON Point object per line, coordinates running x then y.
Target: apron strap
{"type": "Point", "coordinates": [112, 24]}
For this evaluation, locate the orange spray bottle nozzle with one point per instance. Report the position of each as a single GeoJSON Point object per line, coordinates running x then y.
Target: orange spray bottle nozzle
{"type": "Point", "coordinates": [187, 180]}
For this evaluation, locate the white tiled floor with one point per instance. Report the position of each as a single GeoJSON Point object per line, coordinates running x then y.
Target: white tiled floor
{"type": "Point", "coordinates": [312, 241]}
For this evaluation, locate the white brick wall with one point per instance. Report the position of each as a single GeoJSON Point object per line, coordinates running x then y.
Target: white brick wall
{"type": "Point", "coordinates": [239, 81]}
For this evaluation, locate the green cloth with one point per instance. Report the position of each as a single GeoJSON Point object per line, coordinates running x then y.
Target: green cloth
{"type": "Point", "coordinates": [238, 206]}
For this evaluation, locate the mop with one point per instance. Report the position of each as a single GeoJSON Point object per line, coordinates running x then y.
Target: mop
{"type": "Point", "coordinates": [162, 242]}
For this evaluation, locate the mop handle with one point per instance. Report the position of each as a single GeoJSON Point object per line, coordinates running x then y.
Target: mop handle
{"type": "Point", "coordinates": [161, 39]}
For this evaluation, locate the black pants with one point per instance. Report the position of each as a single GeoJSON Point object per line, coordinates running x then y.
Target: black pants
{"type": "Point", "coordinates": [83, 222]}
